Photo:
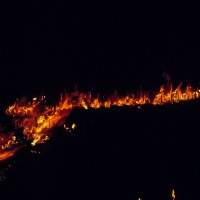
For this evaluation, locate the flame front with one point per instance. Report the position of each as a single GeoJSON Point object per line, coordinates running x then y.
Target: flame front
{"type": "Point", "coordinates": [36, 119]}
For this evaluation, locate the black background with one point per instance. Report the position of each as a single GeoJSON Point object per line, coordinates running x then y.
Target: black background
{"type": "Point", "coordinates": [47, 48]}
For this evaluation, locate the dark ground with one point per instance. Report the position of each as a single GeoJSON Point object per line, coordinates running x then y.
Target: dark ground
{"type": "Point", "coordinates": [47, 48]}
{"type": "Point", "coordinates": [117, 154]}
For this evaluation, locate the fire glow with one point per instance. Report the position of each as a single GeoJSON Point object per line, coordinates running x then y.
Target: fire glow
{"type": "Point", "coordinates": [35, 119]}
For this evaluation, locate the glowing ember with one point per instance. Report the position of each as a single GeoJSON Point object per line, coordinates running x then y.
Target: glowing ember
{"type": "Point", "coordinates": [73, 126]}
{"type": "Point", "coordinates": [36, 119]}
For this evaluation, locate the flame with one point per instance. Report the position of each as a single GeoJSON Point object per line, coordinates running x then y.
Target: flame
{"type": "Point", "coordinates": [36, 119]}
{"type": "Point", "coordinates": [8, 145]}
{"type": "Point", "coordinates": [173, 194]}
{"type": "Point", "coordinates": [73, 126]}
{"type": "Point", "coordinates": [4, 155]}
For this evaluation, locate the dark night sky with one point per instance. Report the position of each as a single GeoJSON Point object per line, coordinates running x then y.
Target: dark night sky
{"type": "Point", "coordinates": [96, 46]}
{"type": "Point", "coordinates": [46, 48]}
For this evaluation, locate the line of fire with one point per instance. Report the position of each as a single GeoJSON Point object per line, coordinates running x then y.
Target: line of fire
{"type": "Point", "coordinates": [35, 118]}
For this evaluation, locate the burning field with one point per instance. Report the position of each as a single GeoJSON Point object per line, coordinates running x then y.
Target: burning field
{"type": "Point", "coordinates": [142, 144]}
{"type": "Point", "coordinates": [35, 118]}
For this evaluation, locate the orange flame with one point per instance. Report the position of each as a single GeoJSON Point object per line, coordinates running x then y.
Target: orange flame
{"type": "Point", "coordinates": [36, 119]}
{"type": "Point", "coordinates": [9, 145]}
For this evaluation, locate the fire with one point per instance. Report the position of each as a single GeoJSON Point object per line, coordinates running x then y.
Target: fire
{"type": "Point", "coordinates": [9, 145]}
{"type": "Point", "coordinates": [35, 119]}
{"type": "Point", "coordinates": [73, 126]}
{"type": "Point", "coordinates": [173, 194]}
{"type": "Point", "coordinates": [7, 154]}
{"type": "Point", "coordinates": [175, 96]}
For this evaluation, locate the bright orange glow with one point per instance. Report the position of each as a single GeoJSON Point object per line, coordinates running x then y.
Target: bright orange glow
{"type": "Point", "coordinates": [4, 155]}
{"type": "Point", "coordinates": [36, 119]}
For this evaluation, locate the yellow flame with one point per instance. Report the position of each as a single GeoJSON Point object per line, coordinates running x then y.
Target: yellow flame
{"type": "Point", "coordinates": [73, 126]}
{"type": "Point", "coordinates": [173, 194]}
